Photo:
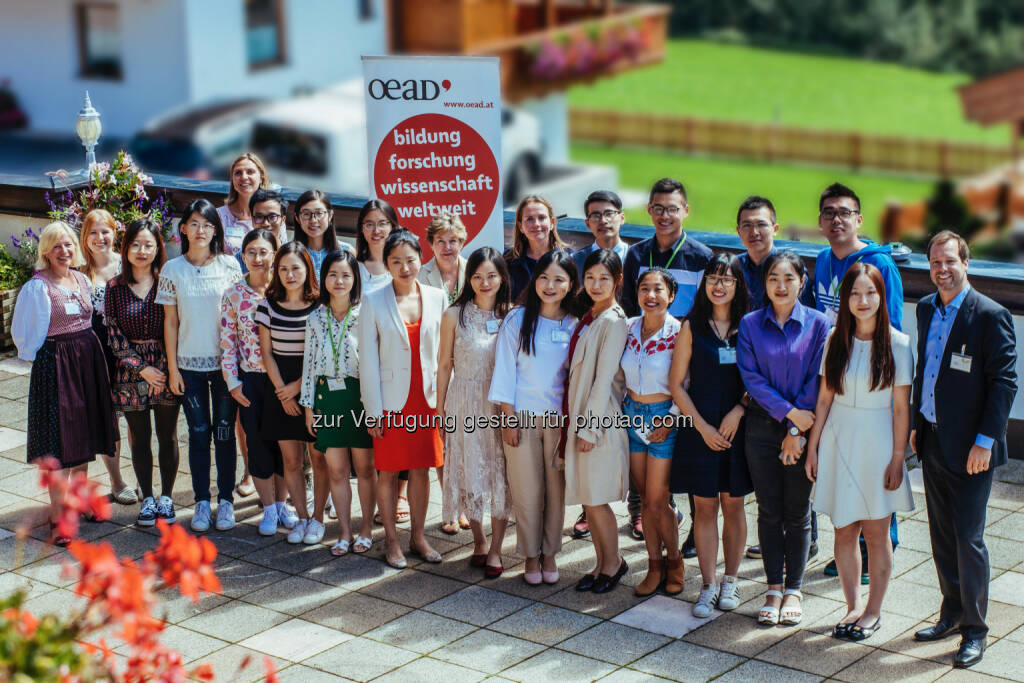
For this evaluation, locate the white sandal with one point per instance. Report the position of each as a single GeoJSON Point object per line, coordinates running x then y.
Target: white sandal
{"type": "Point", "coordinates": [792, 615]}
{"type": "Point", "coordinates": [362, 544]}
{"type": "Point", "coordinates": [341, 547]}
{"type": "Point", "coordinates": [769, 614]}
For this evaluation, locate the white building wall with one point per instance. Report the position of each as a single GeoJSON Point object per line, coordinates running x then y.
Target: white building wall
{"type": "Point", "coordinates": [39, 54]}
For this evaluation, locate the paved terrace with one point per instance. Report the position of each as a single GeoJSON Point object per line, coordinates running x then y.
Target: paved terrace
{"type": "Point", "coordinates": [323, 618]}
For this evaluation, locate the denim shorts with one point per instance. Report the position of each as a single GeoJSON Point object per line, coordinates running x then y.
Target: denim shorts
{"type": "Point", "coordinates": [632, 409]}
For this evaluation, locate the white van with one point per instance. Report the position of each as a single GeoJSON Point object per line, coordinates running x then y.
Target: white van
{"type": "Point", "coordinates": [319, 141]}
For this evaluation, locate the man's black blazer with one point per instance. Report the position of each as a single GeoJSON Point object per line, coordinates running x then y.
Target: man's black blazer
{"type": "Point", "coordinates": [978, 402]}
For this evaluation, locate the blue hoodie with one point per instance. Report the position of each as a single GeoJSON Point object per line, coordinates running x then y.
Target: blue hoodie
{"type": "Point", "coordinates": [829, 271]}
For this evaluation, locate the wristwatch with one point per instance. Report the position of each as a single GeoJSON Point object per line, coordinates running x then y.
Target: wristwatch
{"type": "Point", "coordinates": [793, 431]}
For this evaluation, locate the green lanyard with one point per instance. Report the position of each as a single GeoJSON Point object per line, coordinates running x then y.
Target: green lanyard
{"type": "Point", "coordinates": [833, 291]}
{"type": "Point", "coordinates": [671, 258]}
{"type": "Point", "coordinates": [335, 348]}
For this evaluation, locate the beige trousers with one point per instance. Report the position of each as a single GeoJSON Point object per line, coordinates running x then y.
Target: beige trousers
{"type": "Point", "coordinates": [536, 481]}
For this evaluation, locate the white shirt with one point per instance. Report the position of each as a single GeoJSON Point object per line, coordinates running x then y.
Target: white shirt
{"type": "Point", "coordinates": [31, 319]}
{"type": "Point", "coordinates": [369, 282]}
{"type": "Point", "coordinates": [197, 293]}
{"type": "Point", "coordinates": [646, 363]}
{"type": "Point", "coordinates": [531, 383]}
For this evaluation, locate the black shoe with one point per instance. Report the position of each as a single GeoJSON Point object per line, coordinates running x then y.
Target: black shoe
{"type": "Point", "coordinates": [940, 630]}
{"type": "Point", "coordinates": [586, 583]}
{"type": "Point", "coordinates": [812, 551]}
{"type": "Point", "coordinates": [840, 630]}
{"type": "Point", "coordinates": [831, 569]}
{"type": "Point", "coordinates": [970, 652]}
{"type": "Point", "coordinates": [857, 633]}
{"type": "Point", "coordinates": [605, 583]}
{"type": "Point", "coordinates": [754, 552]}
{"type": "Point", "coordinates": [689, 549]}
{"type": "Point", "coordinates": [581, 529]}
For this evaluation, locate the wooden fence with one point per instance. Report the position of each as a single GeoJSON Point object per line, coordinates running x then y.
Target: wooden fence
{"type": "Point", "coordinates": [766, 142]}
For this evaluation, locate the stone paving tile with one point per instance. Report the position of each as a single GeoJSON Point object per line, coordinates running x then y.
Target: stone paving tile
{"type": "Point", "coordinates": [892, 626]}
{"type": "Point", "coordinates": [1016, 636]}
{"type": "Point", "coordinates": [420, 632]}
{"type": "Point", "coordinates": [487, 651]}
{"type": "Point", "coordinates": [413, 588]}
{"type": "Point", "coordinates": [294, 595]}
{"type": "Point", "coordinates": [830, 655]}
{"type": "Point", "coordinates": [477, 605]}
{"type": "Point", "coordinates": [356, 613]}
{"type": "Point", "coordinates": [14, 388]}
{"type": "Point", "coordinates": [15, 553]}
{"type": "Point", "coordinates": [295, 640]}
{"type": "Point", "coordinates": [553, 665]}
{"type": "Point", "coordinates": [685, 661]}
{"type": "Point", "coordinates": [240, 541]}
{"type": "Point", "coordinates": [361, 659]}
{"type": "Point", "coordinates": [238, 578]}
{"type": "Point", "coordinates": [882, 665]}
{"type": "Point", "coordinates": [228, 661]}
{"type": "Point", "coordinates": [1002, 659]}
{"type": "Point", "coordinates": [10, 582]}
{"type": "Point", "coordinates": [292, 559]}
{"type": "Point", "coordinates": [57, 570]}
{"type": "Point", "coordinates": [59, 601]}
{"type": "Point", "coordinates": [602, 606]}
{"type": "Point", "coordinates": [664, 615]}
{"type": "Point", "coordinates": [1008, 588]}
{"type": "Point", "coordinates": [969, 676]}
{"type": "Point", "coordinates": [297, 673]}
{"type": "Point", "coordinates": [913, 600]}
{"type": "Point", "coordinates": [627, 675]}
{"type": "Point", "coordinates": [1003, 553]}
{"type": "Point", "coordinates": [192, 645]}
{"type": "Point", "coordinates": [753, 671]}
{"type": "Point", "coordinates": [545, 624]}
{"type": "Point", "coordinates": [350, 572]}
{"type": "Point", "coordinates": [737, 634]}
{"type": "Point", "coordinates": [427, 669]}
{"type": "Point", "coordinates": [174, 607]}
{"type": "Point", "coordinates": [613, 643]}
{"type": "Point", "coordinates": [234, 621]}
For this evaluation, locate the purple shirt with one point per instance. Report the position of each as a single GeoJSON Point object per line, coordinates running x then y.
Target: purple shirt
{"type": "Point", "coordinates": [779, 366]}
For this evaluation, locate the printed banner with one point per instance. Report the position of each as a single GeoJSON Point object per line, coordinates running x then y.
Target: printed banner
{"type": "Point", "coordinates": [433, 136]}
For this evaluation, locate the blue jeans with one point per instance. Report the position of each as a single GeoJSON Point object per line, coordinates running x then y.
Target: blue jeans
{"type": "Point", "coordinates": [199, 386]}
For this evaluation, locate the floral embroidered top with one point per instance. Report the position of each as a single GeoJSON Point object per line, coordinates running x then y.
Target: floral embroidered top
{"type": "Point", "coordinates": [131, 319]}
{"type": "Point", "coordinates": [646, 364]}
{"type": "Point", "coordinates": [239, 334]}
{"type": "Point", "coordinates": [197, 292]}
{"type": "Point", "coordinates": [318, 360]}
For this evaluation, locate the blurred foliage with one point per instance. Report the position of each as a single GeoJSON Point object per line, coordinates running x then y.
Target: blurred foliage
{"type": "Point", "coordinates": [948, 210]}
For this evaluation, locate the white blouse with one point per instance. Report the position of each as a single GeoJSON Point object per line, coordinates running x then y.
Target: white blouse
{"type": "Point", "coordinates": [31, 319]}
{"type": "Point", "coordinates": [318, 358]}
{"type": "Point", "coordinates": [646, 363]}
{"type": "Point", "coordinates": [531, 383]}
{"type": "Point", "coordinates": [369, 282]}
{"type": "Point", "coordinates": [197, 293]}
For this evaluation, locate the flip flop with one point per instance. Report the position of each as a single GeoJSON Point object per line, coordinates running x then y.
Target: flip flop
{"type": "Point", "coordinates": [362, 544]}
{"type": "Point", "coordinates": [341, 547]}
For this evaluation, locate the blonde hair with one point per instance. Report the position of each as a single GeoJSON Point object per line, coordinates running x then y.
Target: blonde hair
{"type": "Point", "coordinates": [48, 239]}
{"type": "Point", "coordinates": [520, 245]}
{"type": "Point", "coordinates": [264, 183]}
{"type": "Point", "coordinates": [446, 222]}
{"type": "Point", "coordinates": [91, 219]}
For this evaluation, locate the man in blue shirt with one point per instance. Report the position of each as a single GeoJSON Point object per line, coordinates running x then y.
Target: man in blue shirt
{"type": "Point", "coordinates": [757, 226]}
{"type": "Point", "coordinates": [603, 212]}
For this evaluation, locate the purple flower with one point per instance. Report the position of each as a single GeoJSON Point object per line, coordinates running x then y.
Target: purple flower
{"type": "Point", "coordinates": [15, 242]}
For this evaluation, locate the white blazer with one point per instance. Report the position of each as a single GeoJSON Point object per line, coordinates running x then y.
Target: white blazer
{"type": "Point", "coordinates": [385, 362]}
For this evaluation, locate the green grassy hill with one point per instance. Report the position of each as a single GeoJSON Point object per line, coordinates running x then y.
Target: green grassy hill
{"type": "Point", "coordinates": [733, 82]}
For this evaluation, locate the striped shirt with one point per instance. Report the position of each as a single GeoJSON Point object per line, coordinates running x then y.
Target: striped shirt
{"type": "Point", "coordinates": [287, 327]}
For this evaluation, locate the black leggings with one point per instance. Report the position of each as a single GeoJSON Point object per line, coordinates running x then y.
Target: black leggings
{"type": "Point", "coordinates": [166, 418]}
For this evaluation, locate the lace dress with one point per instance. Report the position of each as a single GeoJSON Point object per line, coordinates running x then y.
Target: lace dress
{"type": "Point", "coordinates": [474, 467]}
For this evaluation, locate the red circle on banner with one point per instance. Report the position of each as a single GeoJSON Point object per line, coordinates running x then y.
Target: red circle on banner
{"type": "Point", "coordinates": [430, 163]}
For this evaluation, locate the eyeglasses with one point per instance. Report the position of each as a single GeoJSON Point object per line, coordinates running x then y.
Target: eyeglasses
{"type": "Point", "coordinates": [260, 218]}
{"type": "Point", "coordinates": [844, 213]}
{"type": "Point", "coordinates": [380, 225]}
{"type": "Point", "coordinates": [201, 227]}
{"type": "Point", "coordinates": [725, 281]}
{"type": "Point", "coordinates": [608, 215]}
{"type": "Point", "coordinates": [760, 226]}
{"type": "Point", "coordinates": [309, 215]}
{"type": "Point", "coordinates": [659, 210]}
{"type": "Point", "coordinates": [135, 246]}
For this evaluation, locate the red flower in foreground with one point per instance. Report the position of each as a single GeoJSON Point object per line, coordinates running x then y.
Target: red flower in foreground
{"type": "Point", "coordinates": [185, 561]}
{"type": "Point", "coordinates": [79, 495]}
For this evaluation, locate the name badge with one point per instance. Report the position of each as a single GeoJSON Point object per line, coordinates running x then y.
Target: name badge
{"type": "Point", "coordinates": [960, 362]}
{"type": "Point", "coordinates": [560, 336]}
{"type": "Point", "coordinates": [72, 308]}
{"type": "Point", "coordinates": [492, 326]}
{"type": "Point", "coordinates": [727, 355]}
{"type": "Point", "coordinates": [336, 383]}
{"type": "Point", "coordinates": [235, 231]}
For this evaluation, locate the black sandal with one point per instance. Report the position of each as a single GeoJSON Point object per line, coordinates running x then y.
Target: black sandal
{"type": "Point", "coordinates": [840, 630]}
{"type": "Point", "coordinates": [857, 632]}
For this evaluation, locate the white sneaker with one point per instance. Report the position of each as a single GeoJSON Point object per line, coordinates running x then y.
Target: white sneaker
{"type": "Point", "coordinates": [201, 516]}
{"type": "Point", "coordinates": [314, 532]}
{"type": "Point", "coordinates": [298, 532]}
{"type": "Point", "coordinates": [268, 525]}
{"type": "Point", "coordinates": [285, 516]}
{"type": "Point", "coordinates": [729, 593]}
{"type": "Point", "coordinates": [225, 515]}
{"type": "Point", "coordinates": [706, 602]}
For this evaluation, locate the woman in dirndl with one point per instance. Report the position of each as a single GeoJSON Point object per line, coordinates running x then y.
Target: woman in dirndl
{"type": "Point", "coordinates": [70, 414]}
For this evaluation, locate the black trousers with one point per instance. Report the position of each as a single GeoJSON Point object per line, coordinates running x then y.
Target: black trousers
{"type": "Point", "coordinates": [783, 501]}
{"type": "Point", "coordinates": [956, 519]}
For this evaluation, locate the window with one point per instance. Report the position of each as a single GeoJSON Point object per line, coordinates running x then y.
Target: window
{"type": "Point", "coordinates": [264, 33]}
{"type": "Point", "coordinates": [99, 40]}
{"type": "Point", "coordinates": [366, 12]}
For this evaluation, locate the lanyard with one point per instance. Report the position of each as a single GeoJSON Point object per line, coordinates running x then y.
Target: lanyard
{"type": "Point", "coordinates": [336, 348]}
{"type": "Point", "coordinates": [654, 245]}
{"type": "Point", "coordinates": [833, 290]}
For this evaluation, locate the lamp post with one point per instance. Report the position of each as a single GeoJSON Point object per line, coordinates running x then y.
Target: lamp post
{"type": "Point", "coordinates": [89, 128]}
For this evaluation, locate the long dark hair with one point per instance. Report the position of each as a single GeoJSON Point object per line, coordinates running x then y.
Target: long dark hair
{"type": "Point", "coordinates": [721, 264]}
{"type": "Point", "coordinates": [502, 301]}
{"type": "Point", "coordinates": [127, 276]}
{"type": "Point", "coordinates": [204, 208]}
{"type": "Point", "coordinates": [276, 291]}
{"type": "Point", "coordinates": [883, 367]}
{"type": "Point", "coordinates": [790, 257]}
{"type": "Point", "coordinates": [362, 246]}
{"type": "Point", "coordinates": [582, 302]}
{"type": "Point", "coordinates": [333, 257]}
{"type": "Point", "coordinates": [531, 300]}
{"type": "Point", "coordinates": [330, 235]}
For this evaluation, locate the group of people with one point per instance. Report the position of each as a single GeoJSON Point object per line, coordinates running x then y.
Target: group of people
{"type": "Point", "coordinates": [534, 380]}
